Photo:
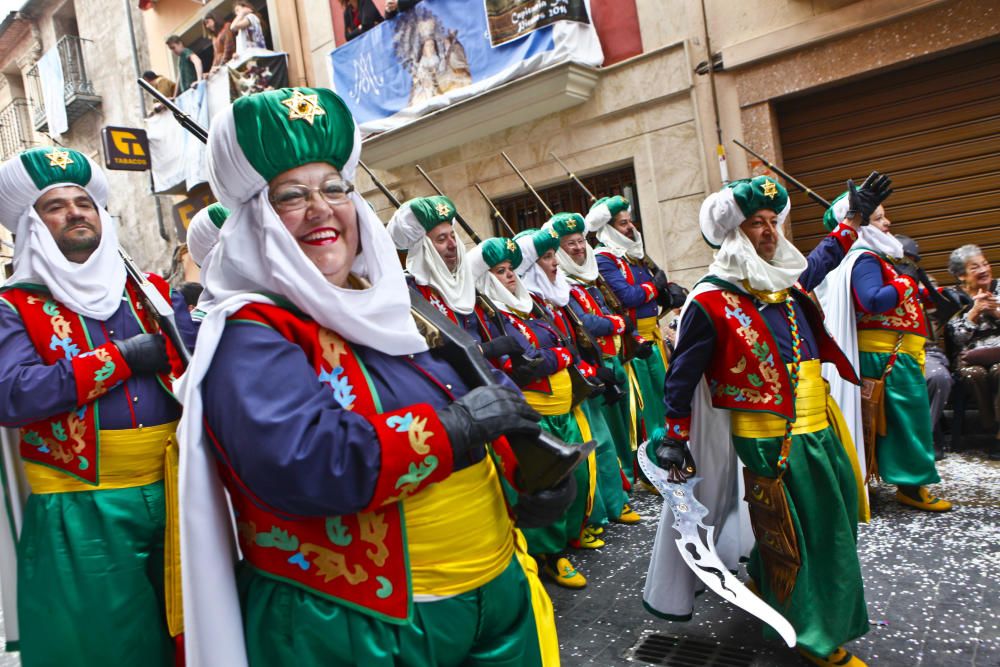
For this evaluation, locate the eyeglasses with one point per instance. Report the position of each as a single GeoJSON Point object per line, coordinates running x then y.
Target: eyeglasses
{"type": "Point", "coordinates": [295, 197]}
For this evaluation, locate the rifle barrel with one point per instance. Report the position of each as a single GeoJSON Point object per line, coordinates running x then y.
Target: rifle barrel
{"type": "Point", "coordinates": [569, 172]}
{"type": "Point", "coordinates": [784, 174]}
{"type": "Point", "coordinates": [380, 185]}
{"type": "Point", "coordinates": [185, 120]}
{"type": "Point", "coordinates": [458, 217]}
{"type": "Point", "coordinates": [496, 212]}
{"type": "Point", "coordinates": [527, 184]}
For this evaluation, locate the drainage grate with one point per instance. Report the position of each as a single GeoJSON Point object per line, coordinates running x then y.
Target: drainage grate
{"type": "Point", "coordinates": [688, 652]}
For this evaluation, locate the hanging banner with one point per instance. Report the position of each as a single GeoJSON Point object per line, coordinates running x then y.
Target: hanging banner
{"type": "Point", "coordinates": [510, 19]}
{"type": "Point", "coordinates": [257, 74]}
{"type": "Point", "coordinates": [440, 52]}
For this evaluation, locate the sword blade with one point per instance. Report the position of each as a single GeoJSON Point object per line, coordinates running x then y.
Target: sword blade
{"type": "Point", "coordinates": [699, 553]}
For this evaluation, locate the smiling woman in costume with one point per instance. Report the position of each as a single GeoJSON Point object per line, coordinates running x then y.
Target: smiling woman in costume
{"type": "Point", "coordinates": [367, 502]}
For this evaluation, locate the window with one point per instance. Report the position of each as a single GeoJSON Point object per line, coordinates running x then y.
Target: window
{"type": "Point", "coordinates": [522, 211]}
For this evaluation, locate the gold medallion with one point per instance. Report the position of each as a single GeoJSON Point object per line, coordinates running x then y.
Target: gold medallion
{"type": "Point", "coordinates": [302, 106]}
{"type": "Point", "coordinates": [770, 189]}
{"type": "Point", "coordinates": [58, 158]}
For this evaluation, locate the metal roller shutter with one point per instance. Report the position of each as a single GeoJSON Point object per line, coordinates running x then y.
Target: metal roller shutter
{"type": "Point", "coordinates": [934, 127]}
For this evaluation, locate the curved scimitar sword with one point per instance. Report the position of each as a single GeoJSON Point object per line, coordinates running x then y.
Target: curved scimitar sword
{"type": "Point", "coordinates": [700, 554]}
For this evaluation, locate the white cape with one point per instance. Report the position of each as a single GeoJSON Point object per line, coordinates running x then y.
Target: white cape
{"type": "Point", "coordinates": [836, 299]}
{"type": "Point", "coordinates": [670, 584]}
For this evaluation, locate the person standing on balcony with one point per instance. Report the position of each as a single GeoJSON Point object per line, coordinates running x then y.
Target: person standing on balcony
{"type": "Point", "coordinates": [360, 16]}
{"type": "Point", "coordinates": [223, 42]}
{"type": "Point", "coordinates": [166, 87]}
{"type": "Point", "coordinates": [189, 67]}
{"type": "Point", "coordinates": [88, 383]}
{"type": "Point", "coordinates": [249, 28]}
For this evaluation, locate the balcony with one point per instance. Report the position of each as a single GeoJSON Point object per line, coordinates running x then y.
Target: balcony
{"type": "Point", "coordinates": [78, 89]}
{"type": "Point", "coordinates": [15, 128]}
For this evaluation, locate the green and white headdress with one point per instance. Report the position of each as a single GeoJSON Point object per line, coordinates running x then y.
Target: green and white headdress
{"type": "Point", "coordinates": [736, 260]}
{"type": "Point", "coordinates": [93, 288]}
{"type": "Point", "coordinates": [409, 227]}
{"type": "Point", "coordinates": [598, 220]}
{"type": "Point", "coordinates": [204, 229]}
{"type": "Point", "coordinates": [567, 224]}
{"type": "Point", "coordinates": [260, 137]}
{"type": "Point", "coordinates": [534, 244]}
{"type": "Point", "coordinates": [487, 255]}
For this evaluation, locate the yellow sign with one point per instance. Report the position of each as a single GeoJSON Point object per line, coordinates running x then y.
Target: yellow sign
{"type": "Point", "coordinates": [125, 148]}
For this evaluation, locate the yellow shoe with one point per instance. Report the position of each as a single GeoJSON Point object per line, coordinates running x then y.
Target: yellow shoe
{"type": "Point", "coordinates": [595, 530]}
{"type": "Point", "coordinates": [588, 541]}
{"type": "Point", "coordinates": [564, 574]}
{"type": "Point", "coordinates": [629, 515]}
{"type": "Point", "coordinates": [917, 496]}
{"type": "Point", "coordinates": [649, 487]}
{"type": "Point", "coordinates": [839, 658]}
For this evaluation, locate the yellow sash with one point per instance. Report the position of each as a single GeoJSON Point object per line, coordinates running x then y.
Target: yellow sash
{"type": "Point", "coordinates": [810, 409]}
{"type": "Point", "coordinates": [649, 328]}
{"type": "Point", "coordinates": [458, 533]}
{"type": "Point", "coordinates": [883, 341]}
{"type": "Point", "coordinates": [559, 402]}
{"type": "Point", "coordinates": [129, 457]}
{"type": "Point", "coordinates": [815, 409]}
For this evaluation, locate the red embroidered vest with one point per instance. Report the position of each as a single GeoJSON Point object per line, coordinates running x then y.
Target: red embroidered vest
{"type": "Point", "coordinates": [747, 372]}
{"type": "Point", "coordinates": [70, 442]}
{"type": "Point", "coordinates": [589, 305]}
{"type": "Point", "coordinates": [907, 317]}
{"type": "Point", "coordinates": [358, 560]}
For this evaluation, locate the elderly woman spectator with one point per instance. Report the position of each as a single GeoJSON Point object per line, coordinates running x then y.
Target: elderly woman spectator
{"type": "Point", "coordinates": [975, 332]}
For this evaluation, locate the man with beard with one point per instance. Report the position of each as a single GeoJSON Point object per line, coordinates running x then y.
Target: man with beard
{"type": "Point", "coordinates": [745, 382]}
{"type": "Point", "coordinates": [87, 380]}
{"type": "Point", "coordinates": [622, 262]}
{"type": "Point", "coordinates": [877, 315]}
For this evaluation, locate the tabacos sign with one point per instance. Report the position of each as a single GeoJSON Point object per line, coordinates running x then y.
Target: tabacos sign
{"type": "Point", "coordinates": [125, 148]}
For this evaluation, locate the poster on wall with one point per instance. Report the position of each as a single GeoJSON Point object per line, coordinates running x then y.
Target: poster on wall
{"type": "Point", "coordinates": [510, 19]}
{"type": "Point", "coordinates": [440, 52]}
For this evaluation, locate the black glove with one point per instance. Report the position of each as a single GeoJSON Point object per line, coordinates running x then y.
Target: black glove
{"type": "Point", "coordinates": [483, 415]}
{"type": "Point", "coordinates": [524, 371]}
{"type": "Point", "coordinates": [145, 354]}
{"type": "Point", "coordinates": [539, 509]}
{"type": "Point", "coordinates": [500, 346]}
{"type": "Point", "coordinates": [875, 190]}
{"type": "Point", "coordinates": [605, 375]}
{"type": "Point", "coordinates": [907, 268]}
{"type": "Point", "coordinates": [660, 280]}
{"type": "Point", "coordinates": [673, 456]}
{"type": "Point", "coordinates": [678, 295]}
{"type": "Point", "coordinates": [645, 350]}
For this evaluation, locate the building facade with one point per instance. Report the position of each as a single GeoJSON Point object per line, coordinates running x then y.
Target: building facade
{"type": "Point", "coordinates": [830, 89]}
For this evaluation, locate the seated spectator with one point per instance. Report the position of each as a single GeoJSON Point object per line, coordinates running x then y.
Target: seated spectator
{"type": "Point", "coordinates": [393, 7]}
{"type": "Point", "coordinates": [975, 331]}
{"type": "Point", "coordinates": [936, 368]}
{"type": "Point", "coordinates": [223, 42]}
{"type": "Point", "coordinates": [189, 67]}
{"type": "Point", "coordinates": [360, 16]}
{"type": "Point", "coordinates": [249, 28]}
{"type": "Point", "coordinates": [165, 86]}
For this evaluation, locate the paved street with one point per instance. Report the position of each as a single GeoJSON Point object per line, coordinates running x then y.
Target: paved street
{"type": "Point", "coordinates": [930, 582]}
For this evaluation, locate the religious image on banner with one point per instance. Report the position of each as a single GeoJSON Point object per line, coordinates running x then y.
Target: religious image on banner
{"type": "Point", "coordinates": [432, 53]}
{"type": "Point", "coordinates": [510, 19]}
{"type": "Point", "coordinates": [257, 74]}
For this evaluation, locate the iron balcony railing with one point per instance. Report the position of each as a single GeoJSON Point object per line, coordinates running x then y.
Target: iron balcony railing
{"type": "Point", "coordinates": [15, 128]}
{"type": "Point", "coordinates": [78, 89]}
